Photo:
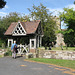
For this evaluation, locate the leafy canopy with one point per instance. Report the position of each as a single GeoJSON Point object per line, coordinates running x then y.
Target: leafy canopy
{"type": "Point", "coordinates": [68, 16]}
{"type": "Point", "coordinates": [47, 21]}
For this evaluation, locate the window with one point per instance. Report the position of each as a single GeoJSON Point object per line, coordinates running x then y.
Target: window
{"type": "Point", "coordinates": [32, 43]}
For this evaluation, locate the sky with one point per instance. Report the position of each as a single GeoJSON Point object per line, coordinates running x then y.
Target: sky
{"type": "Point", "coordinates": [21, 6]}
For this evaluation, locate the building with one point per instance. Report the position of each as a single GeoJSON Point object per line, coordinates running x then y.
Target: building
{"type": "Point", "coordinates": [30, 29]}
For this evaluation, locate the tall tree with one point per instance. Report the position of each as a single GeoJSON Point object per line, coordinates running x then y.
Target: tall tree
{"type": "Point", "coordinates": [47, 21]}
{"type": "Point", "coordinates": [12, 17]}
{"type": "Point", "coordinates": [68, 16]}
{"type": "Point", "coordinates": [2, 3]}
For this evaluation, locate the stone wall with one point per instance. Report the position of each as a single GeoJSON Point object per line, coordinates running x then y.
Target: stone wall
{"type": "Point", "coordinates": [2, 51]}
{"type": "Point", "coordinates": [69, 55]}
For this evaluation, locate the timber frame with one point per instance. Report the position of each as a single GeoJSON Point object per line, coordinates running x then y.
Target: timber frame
{"type": "Point", "coordinates": [32, 30]}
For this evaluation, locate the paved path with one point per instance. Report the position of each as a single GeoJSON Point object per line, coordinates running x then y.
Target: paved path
{"type": "Point", "coordinates": [9, 66]}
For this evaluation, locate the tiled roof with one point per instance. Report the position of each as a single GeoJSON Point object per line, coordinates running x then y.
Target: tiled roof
{"type": "Point", "coordinates": [10, 29]}
{"type": "Point", "coordinates": [29, 26]}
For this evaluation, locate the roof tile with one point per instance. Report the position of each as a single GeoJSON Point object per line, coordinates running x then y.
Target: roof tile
{"type": "Point", "coordinates": [30, 27]}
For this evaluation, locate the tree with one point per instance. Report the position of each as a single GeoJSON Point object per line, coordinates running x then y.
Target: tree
{"type": "Point", "coordinates": [68, 16]}
{"type": "Point", "coordinates": [47, 21]}
{"type": "Point", "coordinates": [12, 17]}
{"type": "Point", "coordinates": [26, 18]}
{"type": "Point", "coordinates": [74, 2]}
{"type": "Point", "coordinates": [2, 3]}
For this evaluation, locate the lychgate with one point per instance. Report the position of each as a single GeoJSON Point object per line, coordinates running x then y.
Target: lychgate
{"type": "Point", "coordinates": [30, 32]}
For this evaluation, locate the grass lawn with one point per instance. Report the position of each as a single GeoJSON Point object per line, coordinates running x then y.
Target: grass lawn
{"type": "Point", "coordinates": [64, 48]}
{"type": "Point", "coordinates": [59, 48]}
{"type": "Point", "coordinates": [64, 63]}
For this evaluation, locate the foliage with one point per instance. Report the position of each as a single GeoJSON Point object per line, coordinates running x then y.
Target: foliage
{"type": "Point", "coordinates": [8, 53]}
{"type": "Point", "coordinates": [2, 3]}
{"type": "Point", "coordinates": [68, 16]}
{"type": "Point", "coordinates": [1, 43]}
{"type": "Point", "coordinates": [47, 21]}
{"type": "Point", "coordinates": [60, 62]}
{"type": "Point", "coordinates": [26, 18]}
{"type": "Point", "coordinates": [11, 17]}
{"type": "Point", "coordinates": [74, 2]}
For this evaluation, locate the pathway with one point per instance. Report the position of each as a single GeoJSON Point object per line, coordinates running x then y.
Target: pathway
{"type": "Point", "coordinates": [10, 66]}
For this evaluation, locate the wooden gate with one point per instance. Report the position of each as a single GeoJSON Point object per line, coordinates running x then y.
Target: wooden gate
{"type": "Point", "coordinates": [22, 49]}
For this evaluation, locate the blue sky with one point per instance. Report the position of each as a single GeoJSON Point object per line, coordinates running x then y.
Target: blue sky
{"type": "Point", "coordinates": [22, 5]}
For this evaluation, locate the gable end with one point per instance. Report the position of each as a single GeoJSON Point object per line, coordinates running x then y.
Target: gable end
{"type": "Point", "coordinates": [18, 30]}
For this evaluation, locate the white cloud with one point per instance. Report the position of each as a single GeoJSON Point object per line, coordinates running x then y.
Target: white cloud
{"type": "Point", "coordinates": [70, 6]}
{"type": "Point", "coordinates": [5, 8]}
{"type": "Point", "coordinates": [3, 14]}
{"type": "Point", "coordinates": [55, 11]}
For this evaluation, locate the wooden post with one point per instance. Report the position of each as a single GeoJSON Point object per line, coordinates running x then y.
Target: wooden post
{"type": "Point", "coordinates": [33, 45]}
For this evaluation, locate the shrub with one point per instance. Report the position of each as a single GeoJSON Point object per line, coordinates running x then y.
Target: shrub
{"type": "Point", "coordinates": [1, 43]}
{"type": "Point", "coordinates": [30, 56]}
{"type": "Point", "coordinates": [8, 53]}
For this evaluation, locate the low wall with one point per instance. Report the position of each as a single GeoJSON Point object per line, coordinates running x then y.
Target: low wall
{"type": "Point", "coordinates": [2, 51]}
{"type": "Point", "coordinates": [69, 55]}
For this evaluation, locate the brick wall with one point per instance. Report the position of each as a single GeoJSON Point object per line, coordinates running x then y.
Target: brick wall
{"type": "Point", "coordinates": [32, 50]}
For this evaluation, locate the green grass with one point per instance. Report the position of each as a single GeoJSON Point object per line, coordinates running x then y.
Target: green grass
{"type": "Point", "coordinates": [59, 62]}
{"type": "Point", "coordinates": [64, 48]}
{"type": "Point", "coordinates": [59, 48]}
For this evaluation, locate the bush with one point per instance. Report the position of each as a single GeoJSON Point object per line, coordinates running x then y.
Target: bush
{"type": "Point", "coordinates": [30, 56]}
{"type": "Point", "coordinates": [8, 53]}
{"type": "Point", "coordinates": [1, 43]}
